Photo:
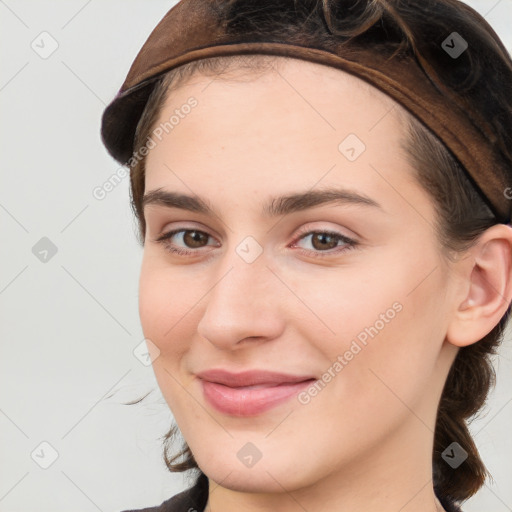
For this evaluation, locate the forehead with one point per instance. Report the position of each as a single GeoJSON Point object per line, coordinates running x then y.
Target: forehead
{"type": "Point", "coordinates": [317, 79]}
{"type": "Point", "coordinates": [292, 126]}
{"type": "Point", "coordinates": [281, 87]}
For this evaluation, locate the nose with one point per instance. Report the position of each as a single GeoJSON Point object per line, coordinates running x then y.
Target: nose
{"type": "Point", "coordinates": [245, 302]}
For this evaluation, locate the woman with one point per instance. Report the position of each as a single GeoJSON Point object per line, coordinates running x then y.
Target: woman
{"type": "Point", "coordinates": [321, 190]}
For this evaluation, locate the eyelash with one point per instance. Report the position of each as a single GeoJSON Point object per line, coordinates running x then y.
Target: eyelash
{"type": "Point", "coordinates": [350, 243]}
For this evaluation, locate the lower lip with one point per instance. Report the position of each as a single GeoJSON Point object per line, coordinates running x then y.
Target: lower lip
{"type": "Point", "coordinates": [247, 401]}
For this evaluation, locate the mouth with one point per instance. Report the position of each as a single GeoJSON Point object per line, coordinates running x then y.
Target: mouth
{"type": "Point", "coordinates": [250, 393]}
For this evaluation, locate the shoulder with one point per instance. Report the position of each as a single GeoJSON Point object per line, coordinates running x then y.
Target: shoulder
{"type": "Point", "coordinates": [179, 503]}
{"type": "Point", "coordinates": [192, 499]}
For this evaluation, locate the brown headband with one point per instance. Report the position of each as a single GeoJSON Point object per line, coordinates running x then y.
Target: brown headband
{"type": "Point", "coordinates": [456, 79]}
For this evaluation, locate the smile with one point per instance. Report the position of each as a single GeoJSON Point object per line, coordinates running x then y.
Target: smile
{"type": "Point", "coordinates": [250, 400]}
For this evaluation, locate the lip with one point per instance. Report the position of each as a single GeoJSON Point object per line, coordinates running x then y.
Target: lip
{"type": "Point", "coordinates": [251, 392]}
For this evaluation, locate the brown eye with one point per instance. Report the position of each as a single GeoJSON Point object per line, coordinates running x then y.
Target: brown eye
{"type": "Point", "coordinates": [185, 242]}
{"type": "Point", "coordinates": [195, 239]}
{"type": "Point", "coordinates": [324, 241]}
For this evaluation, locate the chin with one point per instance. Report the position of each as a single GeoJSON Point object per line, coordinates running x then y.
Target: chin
{"type": "Point", "coordinates": [268, 475]}
{"type": "Point", "coordinates": [249, 480]}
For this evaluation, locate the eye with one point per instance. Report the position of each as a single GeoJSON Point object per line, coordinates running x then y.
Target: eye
{"type": "Point", "coordinates": [322, 241]}
{"type": "Point", "coordinates": [192, 238]}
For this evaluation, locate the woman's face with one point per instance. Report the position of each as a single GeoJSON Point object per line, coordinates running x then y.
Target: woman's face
{"type": "Point", "coordinates": [352, 292]}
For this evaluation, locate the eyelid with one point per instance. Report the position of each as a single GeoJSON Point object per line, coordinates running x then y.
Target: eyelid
{"type": "Point", "coordinates": [348, 243]}
{"type": "Point", "coordinates": [164, 236]}
{"type": "Point", "coordinates": [308, 228]}
{"type": "Point", "coordinates": [303, 232]}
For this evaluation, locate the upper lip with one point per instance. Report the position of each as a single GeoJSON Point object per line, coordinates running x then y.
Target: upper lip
{"type": "Point", "coordinates": [250, 377]}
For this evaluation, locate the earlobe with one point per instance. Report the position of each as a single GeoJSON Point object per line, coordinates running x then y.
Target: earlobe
{"type": "Point", "coordinates": [488, 287]}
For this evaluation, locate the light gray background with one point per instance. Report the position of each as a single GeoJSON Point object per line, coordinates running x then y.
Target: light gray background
{"type": "Point", "coordinates": [69, 325]}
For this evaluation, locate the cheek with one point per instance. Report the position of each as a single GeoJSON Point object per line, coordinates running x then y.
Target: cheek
{"type": "Point", "coordinates": [167, 316]}
{"type": "Point", "coordinates": [344, 302]}
{"type": "Point", "coordinates": [166, 305]}
{"type": "Point", "coordinates": [385, 322]}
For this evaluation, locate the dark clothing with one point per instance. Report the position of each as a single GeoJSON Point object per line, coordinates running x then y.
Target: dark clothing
{"type": "Point", "coordinates": [194, 499]}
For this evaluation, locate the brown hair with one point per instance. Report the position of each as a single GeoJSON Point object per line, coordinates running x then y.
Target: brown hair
{"type": "Point", "coordinates": [462, 213]}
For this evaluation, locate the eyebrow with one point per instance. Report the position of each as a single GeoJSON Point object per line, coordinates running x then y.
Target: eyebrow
{"type": "Point", "coordinates": [276, 206]}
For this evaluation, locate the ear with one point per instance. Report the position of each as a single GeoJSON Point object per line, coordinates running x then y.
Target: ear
{"type": "Point", "coordinates": [486, 290]}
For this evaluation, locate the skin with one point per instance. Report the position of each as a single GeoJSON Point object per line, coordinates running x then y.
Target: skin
{"type": "Point", "coordinates": [365, 441]}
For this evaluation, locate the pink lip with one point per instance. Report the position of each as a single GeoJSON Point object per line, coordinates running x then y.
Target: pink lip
{"type": "Point", "coordinates": [249, 393]}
